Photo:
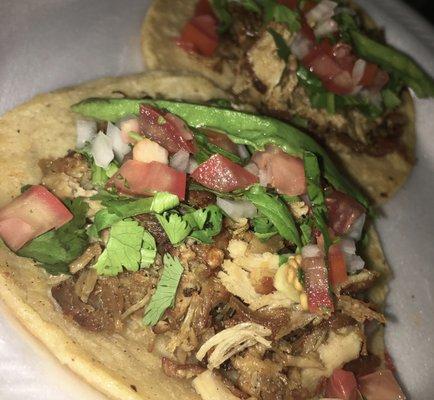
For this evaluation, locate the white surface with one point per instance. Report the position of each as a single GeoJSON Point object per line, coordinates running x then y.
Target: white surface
{"type": "Point", "coordinates": [47, 44]}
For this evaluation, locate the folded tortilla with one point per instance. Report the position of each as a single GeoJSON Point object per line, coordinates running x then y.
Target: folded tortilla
{"type": "Point", "coordinates": [119, 365]}
{"type": "Point", "coordinates": [380, 177]}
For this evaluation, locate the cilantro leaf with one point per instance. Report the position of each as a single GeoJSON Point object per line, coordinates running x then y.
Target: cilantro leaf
{"type": "Point", "coordinates": [57, 248]}
{"type": "Point", "coordinates": [164, 296]}
{"type": "Point", "coordinates": [118, 208]}
{"type": "Point", "coordinates": [164, 201]}
{"type": "Point", "coordinates": [122, 250]}
{"type": "Point", "coordinates": [176, 228]}
{"type": "Point", "coordinates": [223, 15]}
{"type": "Point", "coordinates": [148, 250]}
{"type": "Point", "coordinates": [208, 223]}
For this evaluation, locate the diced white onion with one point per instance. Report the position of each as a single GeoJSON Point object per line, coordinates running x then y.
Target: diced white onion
{"type": "Point", "coordinates": [326, 28]}
{"type": "Point", "coordinates": [252, 168]}
{"type": "Point", "coordinates": [192, 165]}
{"type": "Point", "coordinates": [373, 97]}
{"type": "Point", "coordinates": [323, 11]}
{"type": "Point", "coordinates": [311, 250]}
{"type": "Point", "coordinates": [356, 229]}
{"type": "Point", "coordinates": [263, 178]}
{"type": "Point", "coordinates": [127, 125]}
{"type": "Point", "coordinates": [180, 160]}
{"type": "Point", "coordinates": [353, 262]}
{"type": "Point", "coordinates": [358, 70]}
{"type": "Point", "coordinates": [120, 148]}
{"type": "Point", "coordinates": [300, 46]}
{"type": "Point", "coordinates": [86, 131]}
{"type": "Point", "coordinates": [102, 150]}
{"type": "Point", "coordinates": [147, 151]}
{"type": "Point", "coordinates": [243, 152]}
{"type": "Point", "coordinates": [237, 209]}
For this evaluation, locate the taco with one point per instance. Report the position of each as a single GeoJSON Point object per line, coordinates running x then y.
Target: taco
{"type": "Point", "coordinates": [321, 65]}
{"type": "Point", "coordinates": [171, 250]}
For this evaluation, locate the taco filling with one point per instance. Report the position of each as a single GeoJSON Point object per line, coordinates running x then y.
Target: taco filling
{"type": "Point", "coordinates": [320, 64]}
{"type": "Point", "coordinates": [227, 244]}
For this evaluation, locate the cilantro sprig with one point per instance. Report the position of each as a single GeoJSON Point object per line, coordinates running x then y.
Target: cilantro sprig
{"type": "Point", "coordinates": [164, 296]}
{"type": "Point", "coordinates": [176, 228]}
{"type": "Point", "coordinates": [122, 250]}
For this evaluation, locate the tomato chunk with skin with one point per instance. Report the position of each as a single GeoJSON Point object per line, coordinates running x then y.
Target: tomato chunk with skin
{"type": "Point", "coordinates": [337, 267]}
{"type": "Point", "coordinates": [342, 385]}
{"type": "Point", "coordinates": [380, 385]}
{"type": "Point", "coordinates": [283, 172]}
{"type": "Point", "coordinates": [317, 284]}
{"type": "Point", "coordinates": [167, 130]}
{"type": "Point", "coordinates": [221, 140]}
{"type": "Point", "coordinates": [200, 34]}
{"type": "Point", "coordinates": [203, 7]}
{"type": "Point", "coordinates": [342, 211]}
{"type": "Point", "coordinates": [221, 174]}
{"type": "Point", "coordinates": [144, 179]}
{"type": "Point", "coordinates": [31, 214]}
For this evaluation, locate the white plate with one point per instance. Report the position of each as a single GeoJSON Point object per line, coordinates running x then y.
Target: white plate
{"type": "Point", "coordinates": [48, 44]}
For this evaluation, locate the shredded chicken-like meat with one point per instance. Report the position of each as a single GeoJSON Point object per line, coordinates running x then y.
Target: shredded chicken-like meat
{"type": "Point", "coordinates": [135, 307]}
{"type": "Point", "coordinates": [183, 371]}
{"type": "Point", "coordinates": [85, 284]}
{"type": "Point", "coordinates": [359, 310]}
{"type": "Point", "coordinates": [232, 341]}
{"type": "Point", "coordinates": [93, 251]}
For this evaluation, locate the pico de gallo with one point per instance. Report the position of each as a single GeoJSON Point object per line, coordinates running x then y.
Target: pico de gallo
{"type": "Point", "coordinates": [232, 237]}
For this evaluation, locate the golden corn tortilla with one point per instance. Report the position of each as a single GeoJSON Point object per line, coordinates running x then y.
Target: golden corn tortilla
{"type": "Point", "coordinates": [120, 365]}
{"type": "Point", "coordinates": [380, 177]}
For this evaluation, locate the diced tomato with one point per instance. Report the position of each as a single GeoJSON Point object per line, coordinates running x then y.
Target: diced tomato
{"type": "Point", "coordinates": [201, 34]}
{"type": "Point", "coordinates": [166, 129]}
{"type": "Point", "coordinates": [317, 284]}
{"type": "Point", "coordinates": [221, 174]}
{"type": "Point", "coordinates": [283, 172]}
{"type": "Point", "coordinates": [31, 214]}
{"type": "Point", "coordinates": [292, 4]}
{"type": "Point", "coordinates": [380, 385]}
{"type": "Point", "coordinates": [341, 83]}
{"type": "Point", "coordinates": [324, 48]}
{"type": "Point", "coordinates": [307, 31]}
{"type": "Point", "coordinates": [309, 5]}
{"type": "Point", "coordinates": [342, 211]}
{"type": "Point", "coordinates": [221, 140]}
{"type": "Point", "coordinates": [203, 7]}
{"type": "Point", "coordinates": [144, 179]}
{"type": "Point", "coordinates": [343, 56]}
{"type": "Point", "coordinates": [337, 267]}
{"type": "Point", "coordinates": [324, 67]}
{"type": "Point", "coordinates": [342, 385]}
{"type": "Point", "coordinates": [207, 24]}
{"type": "Point", "coordinates": [369, 75]}
{"type": "Point", "coordinates": [380, 80]}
